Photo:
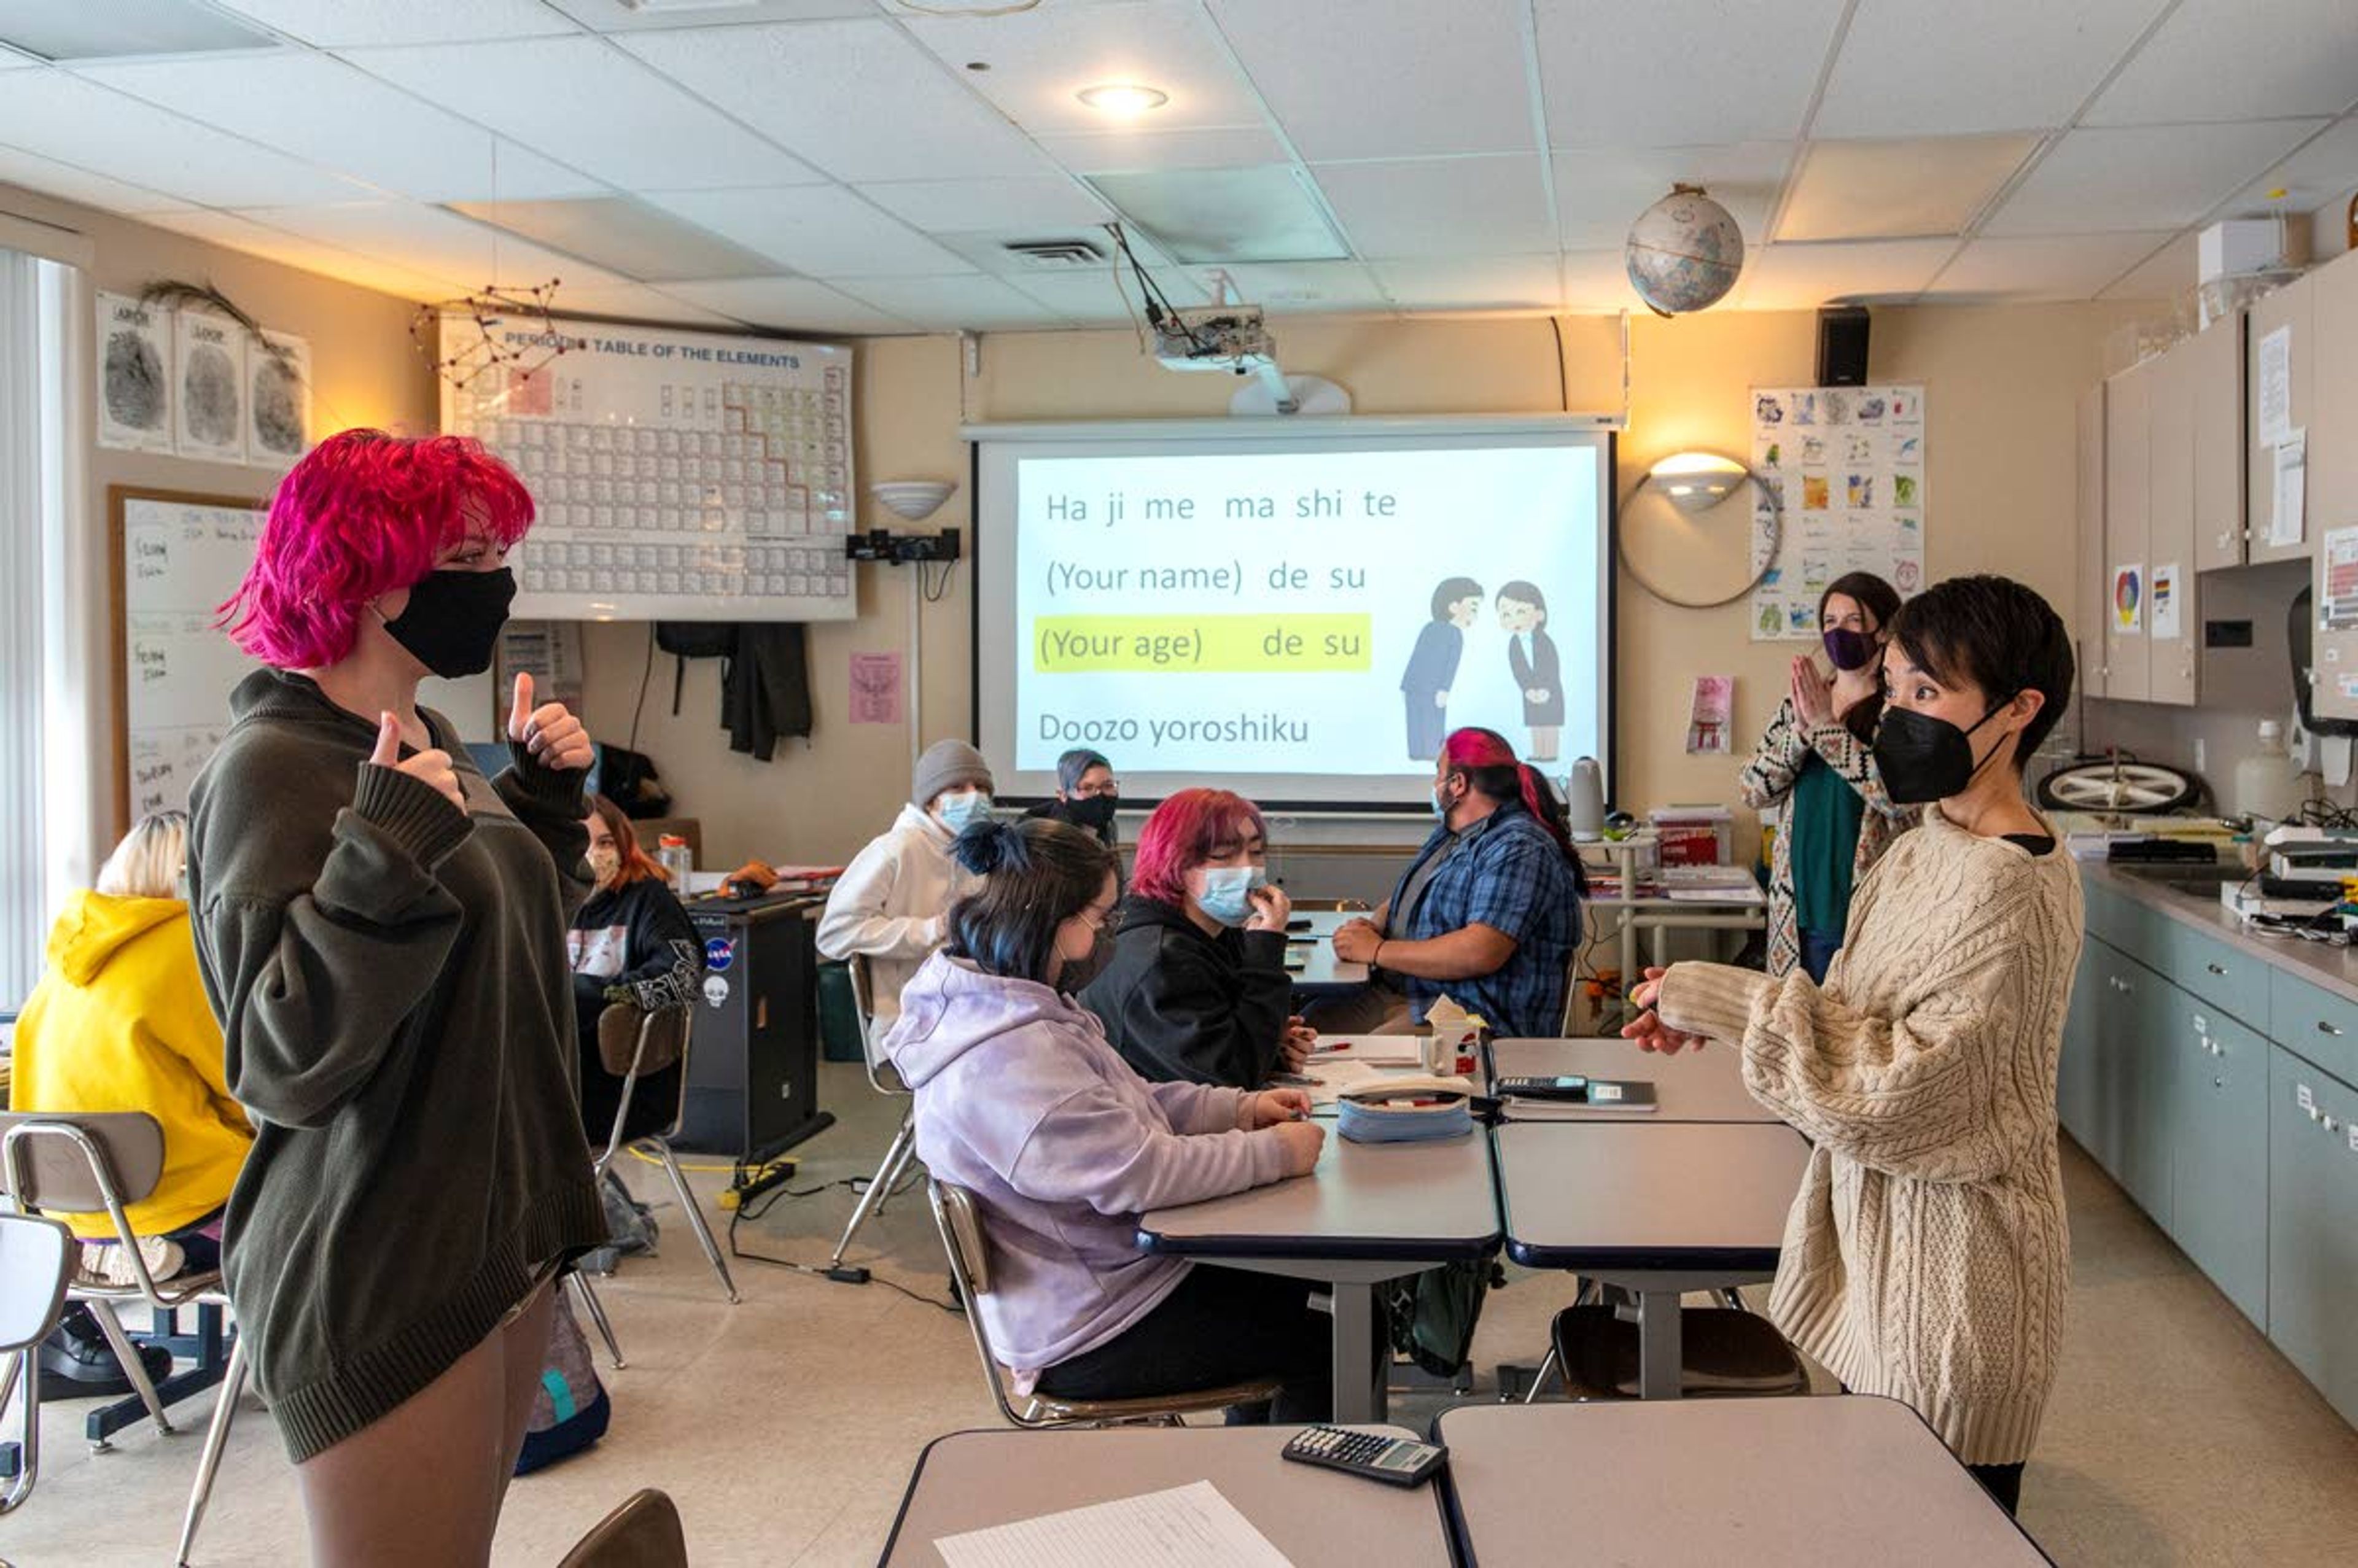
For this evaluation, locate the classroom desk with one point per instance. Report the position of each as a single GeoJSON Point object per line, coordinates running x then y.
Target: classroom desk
{"type": "Point", "coordinates": [1692, 1085]}
{"type": "Point", "coordinates": [1316, 946]}
{"type": "Point", "coordinates": [1659, 1211]}
{"type": "Point", "coordinates": [1767, 1483]}
{"type": "Point", "coordinates": [972, 1480]}
{"type": "Point", "coordinates": [1371, 1211]}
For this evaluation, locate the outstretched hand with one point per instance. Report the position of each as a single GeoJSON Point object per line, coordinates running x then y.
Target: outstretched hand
{"type": "Point", "coordinates": [549, 732]}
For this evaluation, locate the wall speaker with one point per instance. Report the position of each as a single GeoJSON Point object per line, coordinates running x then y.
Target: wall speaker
{"type": "Point", "coordinates": [1842, 345]}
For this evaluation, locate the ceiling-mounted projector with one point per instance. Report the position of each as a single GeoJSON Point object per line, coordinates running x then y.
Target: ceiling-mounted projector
{"type": "Point", "coordinates": [1214, 337]}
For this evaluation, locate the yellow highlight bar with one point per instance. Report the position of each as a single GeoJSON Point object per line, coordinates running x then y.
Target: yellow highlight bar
{"type": "Point", "coordinates": [1214, 644]}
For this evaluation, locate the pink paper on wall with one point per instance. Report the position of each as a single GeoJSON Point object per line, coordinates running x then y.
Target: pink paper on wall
{"type": "Point", "coordinates": [876, 688]}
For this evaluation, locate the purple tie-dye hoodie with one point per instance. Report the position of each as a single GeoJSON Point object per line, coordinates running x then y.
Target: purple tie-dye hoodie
{"type": "Point", "coordinates": [1021, 1101]}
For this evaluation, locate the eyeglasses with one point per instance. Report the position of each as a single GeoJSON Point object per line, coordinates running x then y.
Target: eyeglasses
{"type": "Point", "coordinates": [1090, 792]}
{"type": "Point", "coordinates": [1095, 919]}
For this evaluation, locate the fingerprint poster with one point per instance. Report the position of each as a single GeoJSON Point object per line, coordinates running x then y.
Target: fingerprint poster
{"type": "Point", "coordinates": [208, 387]}
{"type": "Point", "coordinates": [135, 376]}
{"type": "Point", "coordinates": [1841, 471]}
{"type": "Point", "coordinates": [278, 400]}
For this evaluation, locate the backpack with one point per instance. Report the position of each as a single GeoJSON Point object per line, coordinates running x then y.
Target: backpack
{"type": "Point", "coordinates": [685, 640]}
{"type": "Point", "coordinates": [571, 1409]}
{"type": "Point", "coordinates": [1433, 1313]}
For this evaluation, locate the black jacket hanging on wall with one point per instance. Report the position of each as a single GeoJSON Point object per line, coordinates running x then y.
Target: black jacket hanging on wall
{"type": "Point", "coordinates": [764, 686]}
{"type": "Point", "coordinates": [765, 689]}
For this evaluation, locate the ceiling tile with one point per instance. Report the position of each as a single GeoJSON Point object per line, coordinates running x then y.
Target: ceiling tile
{"type": "Point", "coordinates": [1091, 297]}
{"type": "Point", "coordinates": [2052, 266]}
{"type": "Point", "coordinates": [233, 232]}
{"type": "Point", "coordinates": [1441, 207]}
{"type": "Point", "coordinates": [611, 116]}
{"type": "Point", "coordinates": [2229, 60]}
{"type": "Point", "coordinates": [1125, 151]}
{"type": "Point", "coordinates": [973, 206]}
{"type": "Point", "coordinates": [430, 241]}
{"type": "Point", "coordinates": [2166, 274]}
{"type": "Point", "coordinates": [1598, 280]}
{"type": "Point", "coordinates": [332, 24]}
{"type": "Point", "coordinates": [1041, 60]}
{"type": "Point", "coordinates": [68, 183]}
{"type": "Point", "coordinates": [626, 16]}
{"type": "Point", "coordinates": [1802, 277]}
{"type": "Point", "coordinates": [867, 104]}
{"type": "Point", "coordinates": [1223, 215]}
{"type": "Point", "coordinates": [2154, 177]}
{"type": "Point", "coordinates": [1680, 72]}
{"type": "Point", "coordinates": [1300, 288]}
{"type": "Point", "coordinates": [11, 60]}
{"type": "Point", "coordinates": [787, 304]}
{"type": "Point", "coordinates": [1415, 79]}
{"type": "Point", "coordinates": [816, 229]}
{"type": "Point", "coordinates": [622, 234]}
{"type": "Point", "coordinates": [2312, 177]}
{"type": "Point", "coordinates": [1913, 68]}
{"type": "Point", "coordinates": [1898, 189]}
{"type": "Point", "coordinates": [1485, 283]}
{"type": "Point", "coordinates": [1599, 194]}
{"type": "Point", "coordinates": [970, 302]}
{"type": "Point", "coordinates": [64, 117]}
{"type": "Point", "coordinates": [638, 302]}
{"type": "Point", "coordinates": [327, 113]}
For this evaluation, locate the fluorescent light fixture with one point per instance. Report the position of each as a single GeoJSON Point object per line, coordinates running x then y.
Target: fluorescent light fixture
{"type": "Point", "coordinates": [1697, 482]}
{"type": "Point", "coordinates": [112, 29]}
{"type": "Point", "coordinates": [1123, 100]}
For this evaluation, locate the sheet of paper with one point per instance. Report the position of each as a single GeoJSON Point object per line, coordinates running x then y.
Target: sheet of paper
{"type": "Point", "coordinates": [1714, 895]}
{"type": "Point", "coordinates": [2285, 519]}
{"type": "Point", "coordinates": [1380, 1050]}
{"type": "Point", "coordinates": [2129, 599]}
{"type": "Point", "coordinates": [876, 688]}
{"type": "Point", "coordinates": [1186, 1527]}
{"type": "Point", "coordinates": [2274, 392]}
{"type": "Point", "coordinates": [1708, 713]}
{"type": "Point", "coordinates": [2169, 594]}
{"type": "Point", "coordinates": [2337, 608]}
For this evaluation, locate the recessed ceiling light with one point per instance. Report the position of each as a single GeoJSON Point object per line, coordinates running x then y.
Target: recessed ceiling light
{"type": "Point", "coordinates": [1124, 99]}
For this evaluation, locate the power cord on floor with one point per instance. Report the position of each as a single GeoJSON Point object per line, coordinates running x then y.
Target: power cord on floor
{"type": "Point", "coordinates": [817, 1273]}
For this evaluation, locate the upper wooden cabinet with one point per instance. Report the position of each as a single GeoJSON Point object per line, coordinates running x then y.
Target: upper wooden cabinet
{"type": "Point", "coordinates": [2218, 522]}
{"type": "Point", "coordinates": [2171, 622]}
{"type": "Point", "coordinates": [2332, 461]}
{"type": "Point", "coordinates": [2093, 608]}
{"type": "Point", "coordinates": [2289, 309]}
{"type": "Point", "coordinates": [2128, 398]}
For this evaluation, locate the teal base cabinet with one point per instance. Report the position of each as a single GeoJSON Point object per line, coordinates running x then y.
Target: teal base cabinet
{"type": "Point", "coordinates": [2217, 1099]}
{"type": "Point", "coordinates": [2313, 1226]}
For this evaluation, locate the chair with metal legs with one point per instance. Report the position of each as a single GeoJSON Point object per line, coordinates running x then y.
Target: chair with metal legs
{"type": "Point", "coordinates": [886, 1081]}
{"type": "Point", "coordinates": [662, 1040]}
{"type": "Point", "coordinates": [36, 1260]}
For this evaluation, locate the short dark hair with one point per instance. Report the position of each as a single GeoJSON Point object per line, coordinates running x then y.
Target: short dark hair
{"type": "Point", "coordinates": [1036, 873]}
{"type": "Point", "coordinates": [1523, 592]}
{"type": "Point", "coordinates": [1073, 763]}
{"type": "Point", "coordinates": [1451, 590]}
{"type": "Point", "coordinates": [1997, 634]}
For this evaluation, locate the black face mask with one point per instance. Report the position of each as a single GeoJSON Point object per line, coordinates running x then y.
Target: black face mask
{"type": "Point", "coordinates": [1076, 973]}
{"type": "Point", "coordinates": [1922, 757]}
{"type": "Point", "coordinates": [453, 619]}
{"type": "Point", "coordinates": [1094, 812]}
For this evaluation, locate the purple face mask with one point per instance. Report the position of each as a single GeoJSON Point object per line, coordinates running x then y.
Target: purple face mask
{"type": "Point", "coordinates": [1849, 650]}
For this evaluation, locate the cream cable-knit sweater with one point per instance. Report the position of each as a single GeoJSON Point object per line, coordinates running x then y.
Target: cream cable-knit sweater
{"type": "Point", "coordinates": [1926, 1257]}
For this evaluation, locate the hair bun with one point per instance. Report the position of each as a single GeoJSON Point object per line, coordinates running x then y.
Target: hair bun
{"type": "Point", "coordinates": [986, 847]}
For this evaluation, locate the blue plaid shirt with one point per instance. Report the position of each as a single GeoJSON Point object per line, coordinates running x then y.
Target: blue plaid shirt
{"type": "Point", "coordinates": [1505, 872]}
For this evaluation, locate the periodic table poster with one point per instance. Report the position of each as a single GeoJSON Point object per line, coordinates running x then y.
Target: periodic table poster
{"type": "Point", "coordinates": [680, 476]}
{"type": "Point", "coordinates": [1848, 463]}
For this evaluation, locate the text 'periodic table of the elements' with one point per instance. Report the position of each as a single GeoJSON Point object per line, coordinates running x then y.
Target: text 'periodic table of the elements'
{"type": "Point", "coordinates": [677, 475]}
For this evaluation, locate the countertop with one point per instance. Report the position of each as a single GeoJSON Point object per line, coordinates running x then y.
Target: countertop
{"type": "Point", "coordinates": [2331, 968]}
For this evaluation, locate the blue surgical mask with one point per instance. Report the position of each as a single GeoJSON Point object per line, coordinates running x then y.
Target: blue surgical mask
{"type": "Point", "coordinates": [962, 810]}
{"type": "Point", "coordinates": [1439, 807]}
{"type": "Point", "coordinates": [1227, 892]}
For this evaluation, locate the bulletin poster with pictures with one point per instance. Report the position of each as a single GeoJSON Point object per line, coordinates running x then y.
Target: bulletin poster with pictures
{"type": "Point", "coordinates": [1848, 464]}
{"type": "Point", "coordinates": [192, 383]}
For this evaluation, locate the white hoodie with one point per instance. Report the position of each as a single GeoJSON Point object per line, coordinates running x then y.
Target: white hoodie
{"type": "Point", "coordinates": [892, 903]}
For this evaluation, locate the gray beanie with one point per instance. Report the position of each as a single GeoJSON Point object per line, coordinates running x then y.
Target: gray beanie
{"type": "Point", "coordinates": [948, 764]}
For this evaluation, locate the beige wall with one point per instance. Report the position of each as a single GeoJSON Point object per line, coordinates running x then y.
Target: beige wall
{"type": "Point", "coordinates": [363, 370]}
{"type": "Point", "coordinates": [1999, 384]}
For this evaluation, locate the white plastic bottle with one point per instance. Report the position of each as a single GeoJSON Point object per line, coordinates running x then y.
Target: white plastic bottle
{"type": "Point", "coordinates": [673, 853]}
{"type": "Point", "coordinates": [2267, 782]}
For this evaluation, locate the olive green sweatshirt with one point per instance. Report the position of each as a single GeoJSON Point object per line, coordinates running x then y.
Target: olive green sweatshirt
{"type": "Point", "coordinates": [391, 979]}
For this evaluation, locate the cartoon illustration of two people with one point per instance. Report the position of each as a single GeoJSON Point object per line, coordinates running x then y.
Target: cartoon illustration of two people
{"type": "Point", "coordinates": [1441, 646]}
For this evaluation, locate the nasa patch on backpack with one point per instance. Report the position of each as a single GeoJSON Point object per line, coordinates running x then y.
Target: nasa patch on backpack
{"type": "Point", "coordinates": [719, 954]}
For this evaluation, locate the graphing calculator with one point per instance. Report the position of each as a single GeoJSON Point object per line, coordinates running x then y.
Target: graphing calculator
{"type": "Point", "coordinates": [1397, 1460]}
{"type": "Point", "coordinates": [1598, 1094]}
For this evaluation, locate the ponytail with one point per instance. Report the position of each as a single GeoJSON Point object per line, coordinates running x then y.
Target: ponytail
{"type": "Point", "coordinates": [1491, 766]}
{"type": "Point", "coordinates": [1540, 800]}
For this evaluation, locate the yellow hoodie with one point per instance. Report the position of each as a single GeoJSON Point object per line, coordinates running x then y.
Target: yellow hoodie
{"type": "Point", "coordinates": [119, 1022]}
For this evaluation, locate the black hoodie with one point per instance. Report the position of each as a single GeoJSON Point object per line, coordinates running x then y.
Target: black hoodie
{"type": "Point", "coordinates": [1181, 1006]}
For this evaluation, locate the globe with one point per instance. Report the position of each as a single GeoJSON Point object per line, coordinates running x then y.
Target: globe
{"type": "Point", "coordinates": [1685, 252]}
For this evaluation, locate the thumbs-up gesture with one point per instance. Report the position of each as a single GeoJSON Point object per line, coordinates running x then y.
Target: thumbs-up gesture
{"type": "Point", "coordinates": [428, 767]}
{"type": "Point", "coordinates": [549, 733]}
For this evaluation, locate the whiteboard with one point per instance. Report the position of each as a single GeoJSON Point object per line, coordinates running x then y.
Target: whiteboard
{"type": "Point", "coordinates": [177, 559]}
{"type": "Point", "coordinates": [681, 476]}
